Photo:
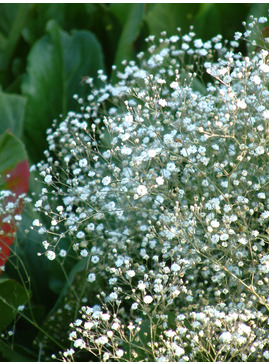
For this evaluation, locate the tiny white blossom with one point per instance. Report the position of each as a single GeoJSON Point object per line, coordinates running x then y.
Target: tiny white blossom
{"type": "Point", "coordinates": [91, 277]}
{"type": "Point", "coordinates": [79, 343]}
{"type": "Point", "coordinates": [84, 253]}
{"type": "Point", "coordinates": [226, 337]}
{"type": "Point", "coordinates": [259, 150]}
{"type": "Point", "coordinates": [261, 195]}
{"type": "Point", "coordinates": [134, 306]}
{"type": "Point", "coordinates": [83, 162]}
{"type": "Point", "coordinates": [152, 153]}
{"type": "Point", "coordinates": [214, 223]}
{"type": "Point", "coordinates": [265, 215]}
{"type": "Point", "coordinates": [175, 267]}
{"type": "Point", "coordinates": [160, 180]}
{"type": "Point", "coordinates": [50, 255]}
{"type": "Point", "coordinates": [174, 85]}
{"type": "Point", "coordinates": [264, 68]}
{"type": "Point", "coordinates": [162, 102]}
{"type": "Point", "coordinates": [262, 20]}
{"type": "Point", "coordinates": [36, 222]}
{"type": "Point", "coordinates": [126, 150]}
{"type": "Point", "coordinates": [38, 203]}
{"type": "Point", "coordinates": [130, 273]}
{"type": "Point", "coordinates": [174, 38]}
{"type": "Point", "coordinates": [119, 353]}
{"type": "Point", "coordinates": [141, 286]}
{"type": "Point", "coordinates": [113, 296]}
{"type": "Point", "coordinates": [265, 114]}
{"type": "Point", "coordinates": [256, 79]}
{"type": "Point", "coordinates": [62, 253]}
{"type": "Point", "coordinates": [242, 241]}
{"type": "Point", "coordinates": [95, 259]}
{"type": "Point", "coordinates": [106, 180]}
{"type": "Point", "coordinates": [80, 235]}
{"type": "Point", "coordinates": [241, 104]}
{"type": "Point", "coordinates": [91, 226]}
{"type": "Point", "coordinates": [142, 190]}
{"type": "Point", "coordinates": [147, 299]}
{"type": "Point", "coordinates": [48, 179]}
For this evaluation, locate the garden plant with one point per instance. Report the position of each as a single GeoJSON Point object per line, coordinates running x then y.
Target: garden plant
{"type": "Point", "coordinates": [152, 201]}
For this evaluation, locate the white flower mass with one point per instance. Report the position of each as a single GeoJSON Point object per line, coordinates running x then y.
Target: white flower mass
{"type": "Point", "coordinates": [168, 204]}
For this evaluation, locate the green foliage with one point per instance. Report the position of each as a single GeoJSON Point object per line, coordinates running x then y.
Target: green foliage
{"type": "Point", "coordinates": [169, 17]}
{"type": "Point", "coordinates": [11, 297]}
{"type": "Point", "coordinates": [131, 17]}
{"type": "Point", "coordinates": [12, 354]}
{"type": "Point", "coordinates": [56, 65]}
{"type": "Point", "coordinates": [13, 18]}
{"type": "Point", "coordinates": [12, 111]}
{"type": "Point", "coordinates": [12, 152]}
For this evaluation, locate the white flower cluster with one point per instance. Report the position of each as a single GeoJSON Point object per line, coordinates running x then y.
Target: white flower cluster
{"type": "Point", "coordinates": [10, 217]}
{"type": "Point", "coordinates": [227, 330]}
{"type": "Point", "coordinates": [166, 196]}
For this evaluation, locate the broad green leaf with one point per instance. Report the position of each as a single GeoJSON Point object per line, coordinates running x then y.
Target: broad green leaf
{"type": "Point", "coordinates": [208, 13]}
{"type": "Point", "coordinates": [12, 154]}
{"type": "Point", "coordinates": [13, 354]}
{"type": "Point", "coordinates": [12, 109]}
{"type": "Point", "coordinates": [12, 21]}
{"type": "Point", "coordinates": [56, 65]}
{"type": "Point", "coordinates": [121, 11]}
{"type": "Point", "coordinates": [78, 267]}
{"type": "Point", "coordinates": [208, 19]}
{"type": "Point", "coordinates": [168, 17]}
{"type": "Point", "coordinates": [68, 16]}
{"type": "Point", "coordinates": [12, 295]}
{"type": "Point", "coordinates": [130, 32]}
{"type": "Point", "coordinates": [35, 27]}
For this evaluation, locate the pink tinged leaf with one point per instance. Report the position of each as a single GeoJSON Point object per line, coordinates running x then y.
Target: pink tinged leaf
{"type": "Point", "coordinates": [14, 178]}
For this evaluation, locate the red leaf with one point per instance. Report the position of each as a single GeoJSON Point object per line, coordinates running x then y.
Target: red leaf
{"type": "Point", "coordinates": [16, 180]}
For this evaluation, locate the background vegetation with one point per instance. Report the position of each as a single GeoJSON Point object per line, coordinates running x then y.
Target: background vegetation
{"type": "Point", "coordinates": [46, 51]}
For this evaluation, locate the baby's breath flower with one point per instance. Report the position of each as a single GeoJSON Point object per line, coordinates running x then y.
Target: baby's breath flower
{"type": "Point", "coordinates": [164, 196]}
{"type": "Point", "coordinates": [106, 180]}
{"type": "Point", "coordinates": [62, 253]}
{"type": "Point", "coordinates": [265, 214]}
{"type": "Point", "coordinates": [36, 222]}
{"type": "Point", "coordinates": [79, 343]}
{"type": "Point", "coordinates": [130, 273]}
{"type": "Point", "coordinates": [142, 190]}
{"type": "Point", "coordinates": [119, 353]}
{"type": "Point", "coordinates": [134, 306]}
{"type": "Point", "coordinates": [95, 259]}
{"type": "Point", "coordinates": [226, 337]}
{"type": "Point", "coordinates": [50, 255]}
{"type": "Point", "coordinates": [162, 102]}
{"type": "Point", "coordinates": [83, 162]}
{"type": "Point", "coordinates": [147, 299]}
{"type": "Point", "coordinates": [48, 179]}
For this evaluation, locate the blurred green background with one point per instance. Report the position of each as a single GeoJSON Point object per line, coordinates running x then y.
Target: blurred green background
{"type": "Point", "coordinates": [46, 51]}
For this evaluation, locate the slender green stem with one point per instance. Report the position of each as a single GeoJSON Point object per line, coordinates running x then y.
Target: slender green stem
{"type": "Point", "coordinates": [32, 323]}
